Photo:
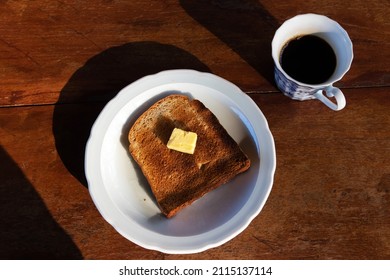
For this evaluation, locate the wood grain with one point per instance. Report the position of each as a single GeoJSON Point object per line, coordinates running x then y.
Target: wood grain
{"type": "Point", "coordinates": [62, 61]}
{"type": "Point", "coordinates": [329, 200]}
{"type": "Point", "coordinates": [43, 44]}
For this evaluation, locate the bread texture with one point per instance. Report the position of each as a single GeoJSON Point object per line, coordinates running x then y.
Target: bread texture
{"type": "Point", "coordinates": [178, 179]}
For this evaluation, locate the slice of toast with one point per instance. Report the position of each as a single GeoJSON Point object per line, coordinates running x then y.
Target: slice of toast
{"type": "Point", "coordinates": [178, 179]}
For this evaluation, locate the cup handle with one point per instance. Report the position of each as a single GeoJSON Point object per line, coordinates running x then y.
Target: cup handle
{"type": "Point", "coordinates": [331, 92]}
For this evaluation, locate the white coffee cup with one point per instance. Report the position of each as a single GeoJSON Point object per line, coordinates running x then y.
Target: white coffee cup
{"type": "Point", "coordinates": [335, 36]}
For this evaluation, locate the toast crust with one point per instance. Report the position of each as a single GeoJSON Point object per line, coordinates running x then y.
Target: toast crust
{"type": "Point", "coordinates": [178, 179]}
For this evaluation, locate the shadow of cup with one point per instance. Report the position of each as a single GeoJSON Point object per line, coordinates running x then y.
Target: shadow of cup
{"type": "Point", "coordinates": [244, 26]}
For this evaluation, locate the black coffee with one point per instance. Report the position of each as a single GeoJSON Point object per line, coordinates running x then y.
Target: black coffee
{"type": "Point", "coordinates": [308, 59]}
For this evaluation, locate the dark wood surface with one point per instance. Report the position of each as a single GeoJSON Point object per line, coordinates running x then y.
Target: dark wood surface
{"type": "Point", "coordinates": [62, 61]}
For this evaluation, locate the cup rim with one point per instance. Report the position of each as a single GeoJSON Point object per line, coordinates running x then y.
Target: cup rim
{"type": "Point", "coordinates": [347, 39]}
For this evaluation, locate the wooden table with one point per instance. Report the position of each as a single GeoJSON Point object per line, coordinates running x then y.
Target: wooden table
{"type": "Point", "coordinates": [62, 61]}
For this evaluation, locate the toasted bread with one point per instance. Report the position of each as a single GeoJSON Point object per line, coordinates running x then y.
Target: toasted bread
{"type": "Point", "coordinates": [178, 179]}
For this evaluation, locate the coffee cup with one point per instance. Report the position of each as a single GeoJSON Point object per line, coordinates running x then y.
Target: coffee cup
{"type": "Point", "coordinates": [311, 52]}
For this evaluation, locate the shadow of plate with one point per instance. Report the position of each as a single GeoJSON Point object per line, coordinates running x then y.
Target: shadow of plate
{"type": "Point", "coordinates": [97, 82]}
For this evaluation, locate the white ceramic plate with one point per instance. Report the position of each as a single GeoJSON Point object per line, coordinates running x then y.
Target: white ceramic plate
{"type": "Point", "coordinates": [122, 194]}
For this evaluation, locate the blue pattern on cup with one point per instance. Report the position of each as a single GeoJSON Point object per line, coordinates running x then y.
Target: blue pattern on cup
{"type": "Point", "coordinates": [291, 88]}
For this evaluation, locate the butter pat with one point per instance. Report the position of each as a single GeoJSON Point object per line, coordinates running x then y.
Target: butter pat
{"type": "Point", "coordinates": [182, 141]}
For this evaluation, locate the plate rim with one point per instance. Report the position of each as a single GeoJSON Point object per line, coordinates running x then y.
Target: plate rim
{"type": "Point", "coordinates": [170, 78]}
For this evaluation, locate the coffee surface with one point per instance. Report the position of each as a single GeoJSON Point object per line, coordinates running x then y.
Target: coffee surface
{"type": "Point", "coordinates": [308, 59]}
